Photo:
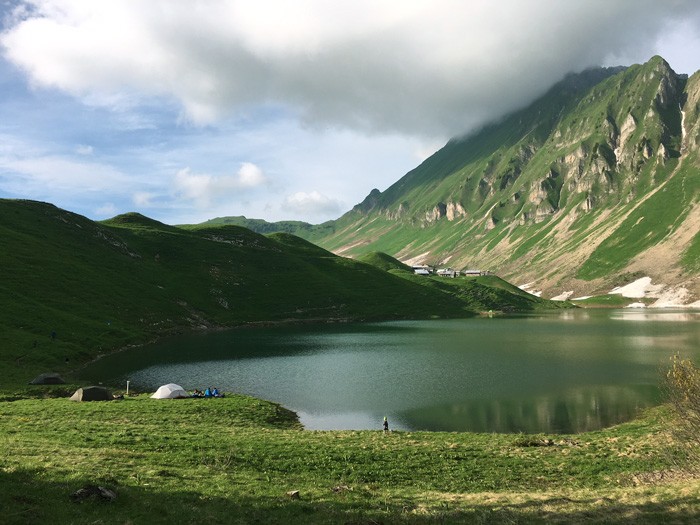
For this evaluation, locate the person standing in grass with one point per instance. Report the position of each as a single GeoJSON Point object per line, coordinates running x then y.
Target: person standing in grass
{"type": "Point", "coordinates": [386, 425]}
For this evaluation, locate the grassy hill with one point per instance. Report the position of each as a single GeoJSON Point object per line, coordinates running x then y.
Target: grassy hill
{"type": "Point", "coordinates": [74, 288]}
{"type": "Point", "coordinates": [384, 261]}
{"type": "Point", "coordinates": [299, 228]}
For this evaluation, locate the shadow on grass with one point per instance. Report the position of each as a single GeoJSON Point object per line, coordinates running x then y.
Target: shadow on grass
{"type": "Point", "coordinates": [28, 497]}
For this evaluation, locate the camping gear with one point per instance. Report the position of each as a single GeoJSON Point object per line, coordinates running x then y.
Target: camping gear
{"type": "Point", "coordinates": [92, 393]}
{"type": "Point", "coordinates": [47, 379]}
{"type": "Point", "coordinates": [170, 391]}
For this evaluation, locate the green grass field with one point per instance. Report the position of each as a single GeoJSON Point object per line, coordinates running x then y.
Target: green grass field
{"type": "Point", "coordinates": [234, 460]}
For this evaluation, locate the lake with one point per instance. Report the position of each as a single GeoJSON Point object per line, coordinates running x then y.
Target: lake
{"type": "Point", "coordinates": [559, 372]}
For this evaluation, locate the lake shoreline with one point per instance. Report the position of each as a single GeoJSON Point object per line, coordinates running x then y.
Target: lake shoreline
{"type": "Point", "coordinates": [213, 328]}
{"type": "Point", "coordinates": [351, 369]}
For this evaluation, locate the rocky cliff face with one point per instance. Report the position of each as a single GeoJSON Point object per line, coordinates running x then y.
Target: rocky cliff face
{"type": "Point", "coordinates": [450, 211]}
{"type": "Point", "coordinates": [573, 191]}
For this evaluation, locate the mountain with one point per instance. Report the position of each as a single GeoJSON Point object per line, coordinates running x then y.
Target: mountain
{"type": "Point", "coordinates": [593, 185]}
{"type": "Point", "coordinates": [299, 228]}
{"type": "Point", "coordinates": [73, 288]}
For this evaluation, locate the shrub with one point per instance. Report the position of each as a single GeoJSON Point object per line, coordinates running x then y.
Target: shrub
{"type": "Point", "coordinates": [682, 387]}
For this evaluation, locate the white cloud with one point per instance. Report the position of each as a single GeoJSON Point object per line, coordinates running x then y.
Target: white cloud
{"type": "Point", "coordinates": [249, 176]}
{"type": "Point", "coordinates": [204, 189]}
{"type": "Point", "coordinates": [313, 203]}
{"type": "Point", "coordinates": [424, 68]}
{"type": "Point", "coordinates": [37, 176]}
{"type": "Point", "coordinates": [106, 211]}
{"type": "Point", "coordinates": [143, 199]}
{"type": "Point", "coordinates": [192, 186]}
{"type": "Point", "coordinates": [425, 149]}
{"type": "Point", "coordinates": [339, 96]}
{"type": "Point", "coordinates": [74, 183]}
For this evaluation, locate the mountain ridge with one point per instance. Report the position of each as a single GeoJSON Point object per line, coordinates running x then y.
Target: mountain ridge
{"type": "Point", "coordinates": [596, 180]}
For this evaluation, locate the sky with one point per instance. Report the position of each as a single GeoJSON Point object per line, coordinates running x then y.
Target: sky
{"type": "Point", "coordinates": [186, 110]}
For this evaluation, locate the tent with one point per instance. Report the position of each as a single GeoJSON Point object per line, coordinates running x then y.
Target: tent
{"type": "Point", "coordinates": [170, 391]}
{"type": "Point", "coordinates": [92, 393]}
{"type": "Point", "coordinates": [47, 379]}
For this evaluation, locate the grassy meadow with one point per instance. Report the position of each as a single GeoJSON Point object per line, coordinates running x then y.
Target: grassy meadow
{"type": "Point", "coordinates": [236, 459]}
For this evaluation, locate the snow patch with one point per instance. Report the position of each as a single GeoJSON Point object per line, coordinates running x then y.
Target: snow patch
{"type": "Point", "coordinates": [666, 297]}
{"type": "Point", "coordinates": [563, 296]}
{"type": "Point", "coordinates": [633, 290]}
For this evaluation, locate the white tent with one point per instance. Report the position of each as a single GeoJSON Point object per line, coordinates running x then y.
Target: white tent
{"type": "Point", "coordinates": [170, 391]}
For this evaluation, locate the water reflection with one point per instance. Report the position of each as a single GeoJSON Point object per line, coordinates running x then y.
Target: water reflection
{"type": "Point", "coordinates": [656, 315]}
{"type": "Point", "coordinates": [563, 372]}
{"type": "Point", "coordinates": [577, 410]}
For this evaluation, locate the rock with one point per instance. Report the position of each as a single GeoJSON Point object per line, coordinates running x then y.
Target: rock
{"type": "Point", "coordinates": [103, 493]}
{"type": "Point", "coordinates": [455, 210]}
{"type": "Point", "coordinates": [293, 494]}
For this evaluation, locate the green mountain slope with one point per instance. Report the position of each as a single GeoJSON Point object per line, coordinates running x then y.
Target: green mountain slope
{"type": "Point", "coordinates": [384, 262]}
{"type": "Point", "coordinates": [598, 178]}
{"type": "Point", "coordinates": [73, 288]}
